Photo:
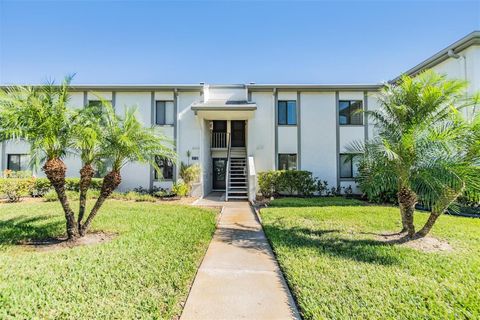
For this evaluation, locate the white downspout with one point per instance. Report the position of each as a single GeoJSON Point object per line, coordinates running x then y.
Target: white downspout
{"type": "Point", "coordinates": [463, 58]}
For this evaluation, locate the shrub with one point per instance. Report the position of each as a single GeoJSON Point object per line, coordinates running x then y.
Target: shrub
{"type": "Point", "coordinates": [73, 184]}
{"type": "Point", "coordinates": [162, 193]}
{"type": "Point", "coordinates": [268, 183]}
{"type": "Point", "coordinates": [17, 174]}
{"type": "Point", "coordinates": [190, 174]}
{"type": "Point", "coordinates": [51, 195]}
{"type": "Point", "coordinates": [291, 182]}
{"type": "Point", "coordinates": [133, 196]}
{"type": "Point", "coordinates": [41, 187]}
{"type": "Point", "coordinates": [383, 197]}
{"type": "Point", "coordinates": [14, 188]}
{"type": "Point", "coordinates": [180, 189]}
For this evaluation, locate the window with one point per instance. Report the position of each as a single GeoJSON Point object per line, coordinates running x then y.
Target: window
{"type": "Point", "coordinates": [18, 162]}
{"type": "Point", "coordinates": [349, 165]}
{"type": "Point", "coordinates": [164, 113]}
{"type": "Point", "coordinates": [287, 162]}
{"type": "Point", "coordinates": [166, 168]}
{"type": "Point", "coordinates": [287, 112]}
{"type": "Point", "coordinates": [349, 112]}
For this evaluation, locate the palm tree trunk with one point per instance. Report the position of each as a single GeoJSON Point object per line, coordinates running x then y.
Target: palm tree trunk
{"type": "Point", "coordinates": [86, 175]}
{"type": "Point", "coordinates": [428, 225]}
{"type": "Point", "coordinates": [404, 220]}
{"type": "Point", "coordinates": [110, 182]}
{"type": "Point", "coordinates": [407, 199]}
{"type": "Point", "coordinates": [55, 171]}
{"type": "Point", "coordinates": [437, 210]}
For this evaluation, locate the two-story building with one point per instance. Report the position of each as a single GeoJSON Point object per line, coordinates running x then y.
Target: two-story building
{"type": "Point", "coordinates": [235, 131]}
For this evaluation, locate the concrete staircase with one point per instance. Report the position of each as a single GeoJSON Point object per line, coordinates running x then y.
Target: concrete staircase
{"type": "Point", "coordinates": [238, 178]}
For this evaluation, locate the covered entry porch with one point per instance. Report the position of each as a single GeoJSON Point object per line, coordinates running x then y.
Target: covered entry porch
{"type": "Point", "coordinates": [225, 164]}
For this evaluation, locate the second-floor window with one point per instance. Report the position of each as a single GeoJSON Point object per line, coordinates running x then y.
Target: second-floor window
{"type": "Point", "coordinates": [18, 162]}
{"type": "Point", "coordinates": [164, 113]}
{"type": "Point", "coordinates": [287, 112]}
{"type": "Point", "coordinates": [350, 112]}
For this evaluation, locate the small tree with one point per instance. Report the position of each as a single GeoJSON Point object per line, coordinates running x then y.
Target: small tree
{"type": "Point", "coordinates": [125, 140]}
{"type": "Point", "coordinates": [419, 145]}
{"type": "Point", "coordinates": [39, 115]}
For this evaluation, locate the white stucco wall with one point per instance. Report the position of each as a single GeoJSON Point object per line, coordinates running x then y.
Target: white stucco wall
{"type": "Point", "coordinates": [261, 132]}
{"type": "Point", "coordinates": [318, 135]}
{"type": "Point", "coordinates": [466, 67]}
{"type": "Point", "coordinates": [135, 174]}
{"type": "Point", "coordinates": [76, 100]}
{"type": "Point", "coordinates": [349, 135]}
{"type": "Point", "coordinates": [287, 139]}
{"type": "Point", "coordinates": [189, 134]}
{"type": "Point", "coordinates": [206, 159]}
{"type": "Point", "coordinates": [234, 93]}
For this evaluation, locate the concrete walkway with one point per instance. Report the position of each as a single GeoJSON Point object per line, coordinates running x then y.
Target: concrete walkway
{"type": "Point", "coordinates": [239, 277]}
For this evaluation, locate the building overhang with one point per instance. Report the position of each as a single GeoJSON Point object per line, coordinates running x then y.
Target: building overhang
{"type": "Point", "coordinates": [224, 110]}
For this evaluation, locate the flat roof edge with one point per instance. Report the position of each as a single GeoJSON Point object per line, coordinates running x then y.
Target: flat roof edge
{"type": "Point", "coordinates": [329, 87]}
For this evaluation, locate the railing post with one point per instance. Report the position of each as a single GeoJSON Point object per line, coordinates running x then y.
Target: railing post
{"type": "Point", "coordinates": [227, 177]}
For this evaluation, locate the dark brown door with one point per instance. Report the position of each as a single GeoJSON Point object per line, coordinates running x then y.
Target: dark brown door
{"type": "Point", "coordinates": [238, 133]}
{"type": "Point", "coordinates": [219, 173]}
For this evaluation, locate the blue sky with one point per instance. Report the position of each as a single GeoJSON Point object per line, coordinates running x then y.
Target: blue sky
{"type": "Point", "coordinates": [225, 42]}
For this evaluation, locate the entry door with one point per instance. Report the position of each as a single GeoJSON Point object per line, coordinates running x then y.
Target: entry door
{"type": "Point", "coordinates": [238, 133]}
{"type": "Point", "coordinates": [219, 173]}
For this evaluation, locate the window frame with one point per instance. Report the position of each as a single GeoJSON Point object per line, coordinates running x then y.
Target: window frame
{"type": "Point", "coordinates": [19, 155]}
{"type": "Point", "coordinates": [349, 117]}
{"type": "Point", "coordinates": [155, 172]}
{"type": "Point", "coordinates": [352, 175]}
{"type": "Point", "coordinates": [288, 155]}
{"type": "Point", "coordinates": [286, 113]}
{"type": "Point", "coordinates": [164, 113]}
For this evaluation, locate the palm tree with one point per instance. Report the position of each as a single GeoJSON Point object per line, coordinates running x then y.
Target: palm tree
{"type": "Point", "coordinates": [87, 138]}
{"type": "Point", "coordinates": [453, 168]}
{"type": "Point", "coordinates": [39, 115]}
{"type": "Point", "coordinates": [415, 124]}
{"type": "Point", "coordinates": [126, 140]}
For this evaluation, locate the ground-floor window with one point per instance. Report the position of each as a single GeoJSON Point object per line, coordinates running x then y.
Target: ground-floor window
{"type": "Point", "coordinates": [18, 162]}
{"type": "Point", "coordinates": [349, 165]}
{"type": "Point", "coordinates": [287, 161]}
{"type": "Point", "coordinates": [166, 168]}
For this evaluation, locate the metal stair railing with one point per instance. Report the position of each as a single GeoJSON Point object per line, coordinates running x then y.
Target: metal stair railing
{"type": "Point", "coordinates": [227, 178]}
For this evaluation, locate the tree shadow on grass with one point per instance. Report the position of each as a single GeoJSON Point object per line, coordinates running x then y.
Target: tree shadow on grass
{"type": "Point", "coordinates": [22, 228]}
{"type": "Point", "coordinates": [333, 243]}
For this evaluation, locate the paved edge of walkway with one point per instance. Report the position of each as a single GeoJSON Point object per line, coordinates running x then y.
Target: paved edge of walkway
{"type": "Point", "coordinates": [239, 254]}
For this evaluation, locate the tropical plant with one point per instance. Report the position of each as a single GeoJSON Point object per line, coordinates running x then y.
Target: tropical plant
{"type": "Point", "coordinates": [87, 138]}
{"type": "Point", "coordinates": [190, 174]}
{"type": "Point", "coordinates": [420, 147]}
{"type": "Point", "coordinates": [125, 140]}
{"type": "Point", "coordinates": [180, 189]}
{"type": "Point", "coordinates": [39, 115]}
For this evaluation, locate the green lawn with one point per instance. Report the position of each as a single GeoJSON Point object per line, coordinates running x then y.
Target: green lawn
{"type": "Point", "coordinates": [337, 268]}
{"type": "Point", "coordinates": [145, 272]}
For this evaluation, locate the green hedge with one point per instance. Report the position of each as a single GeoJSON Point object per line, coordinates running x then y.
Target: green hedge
{"type": "Point", "coordinates": [292, 182]}
{"type": "Point", "coordinates": [13, 188]}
